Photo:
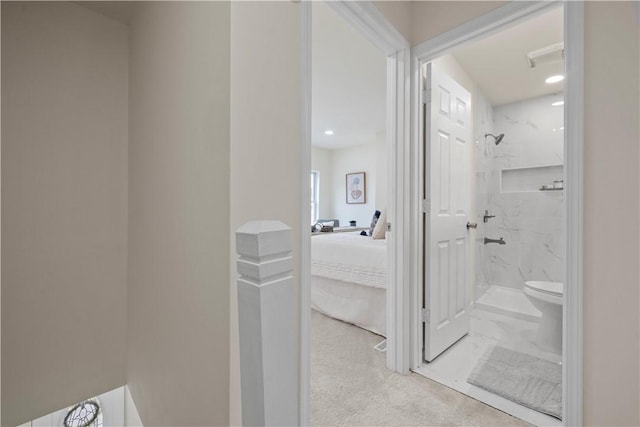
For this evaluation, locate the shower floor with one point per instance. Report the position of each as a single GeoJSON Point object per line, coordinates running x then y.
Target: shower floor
{"type": "Point", "coordinates": [509, 302]}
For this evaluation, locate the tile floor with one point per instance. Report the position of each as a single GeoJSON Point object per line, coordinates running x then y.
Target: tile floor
{"type": "Point", "coordinates": [452, 368]}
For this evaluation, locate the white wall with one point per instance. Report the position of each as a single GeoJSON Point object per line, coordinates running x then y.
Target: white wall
{"type": "Point", "coordinates": [382, 170]}
{"type": "Point", "coordinates": [359, 158]}
{"type": "Point", "coordinates": [450, 65]}
{"type": "Point", "coordinates": [333, 165]}
{"type": "Point", "coordinates": [64, 206]}
{"type": "Point", "coordinates": [322, 162]}
{"type": "Point", "coordinates": [131, 415]}
{"type": "Point", "coordinates": [265, 136]}
{"type": "Point", "coordinates": [111, 406]}
{"type": "Point", "coordinates": [179, 179]}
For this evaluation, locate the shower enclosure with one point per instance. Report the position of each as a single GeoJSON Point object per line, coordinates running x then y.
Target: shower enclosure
{"type": "Point", "coordinates": [519, 201]}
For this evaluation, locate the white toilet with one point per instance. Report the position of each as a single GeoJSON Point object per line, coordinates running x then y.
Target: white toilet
{"type": "Point", "coordinates": [547, 297]}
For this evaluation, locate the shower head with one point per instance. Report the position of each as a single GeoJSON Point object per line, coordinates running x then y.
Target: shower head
{"type": "Point", "coordinates": [496, 139]}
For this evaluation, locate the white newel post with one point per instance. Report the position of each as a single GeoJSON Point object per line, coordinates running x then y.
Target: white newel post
{"type": "Point", "coordinates": [268, 353]}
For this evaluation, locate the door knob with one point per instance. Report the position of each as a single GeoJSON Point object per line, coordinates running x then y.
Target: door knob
{"type": "Point", "coordinates": [472, 225]}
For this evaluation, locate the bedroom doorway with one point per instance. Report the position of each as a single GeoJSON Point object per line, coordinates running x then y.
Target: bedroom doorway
{"type": "Point", "coordinates": [357, 138]}
{"type": "Point", "coordinates": [349, 186]}
{"type": "Point", "coordinates": [496, 194]}
{"type": "Point", "coordinates": [349, 176]}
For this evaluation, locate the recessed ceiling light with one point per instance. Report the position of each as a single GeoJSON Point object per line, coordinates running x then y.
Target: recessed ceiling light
{"type": "Point", "coordinates": [328, 132]}
{"type": "Point", "coordinates": [555, 79]}
{"type": "Point", "coordinates": [558, 104]}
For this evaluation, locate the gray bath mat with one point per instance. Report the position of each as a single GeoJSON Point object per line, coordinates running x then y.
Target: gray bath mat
{"type": "Point", "coordinates": [521, 378]}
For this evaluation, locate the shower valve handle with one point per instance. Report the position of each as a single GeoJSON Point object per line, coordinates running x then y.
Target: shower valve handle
{"type": "Point", "coordinates": [472, 225]}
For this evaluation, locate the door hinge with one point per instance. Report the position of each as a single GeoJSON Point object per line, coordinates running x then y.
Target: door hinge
{"type": "Point", "coordinates": [426, 206]}
{"type": "Point", "coordinates": [388, 226]}
{"type": "Point", "coordinates": [425, 315]}
{"type": "Point", "coordinates": [426, 96]}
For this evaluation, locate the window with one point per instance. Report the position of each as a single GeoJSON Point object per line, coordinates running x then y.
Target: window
{"type": "Point", "coordinates": [315, 185]}
{"type": "Point", "coordinates": [84, 414]}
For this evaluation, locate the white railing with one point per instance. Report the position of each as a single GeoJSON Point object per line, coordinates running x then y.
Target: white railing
{"type": "Point", "coordinates": [268, 352]}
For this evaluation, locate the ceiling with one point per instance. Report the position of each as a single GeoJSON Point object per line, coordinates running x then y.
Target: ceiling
{"type": "Point", "coordinates": [349, 83]}
{"type": "Point", "coordinates": [498, 63]}
{"type": "Point", "coordinates": [349, 73]}
{"type": "Point", "coordinates": [348, 76]}
{"type": "Point", "coordinates": [118, 10]}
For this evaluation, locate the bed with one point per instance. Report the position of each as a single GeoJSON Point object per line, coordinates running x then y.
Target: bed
{"type": "Point", "coordinates": [349, 279]}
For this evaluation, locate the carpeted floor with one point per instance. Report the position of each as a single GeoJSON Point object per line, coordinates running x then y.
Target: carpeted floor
{"type": "Point", "coordinates": [352, 387]}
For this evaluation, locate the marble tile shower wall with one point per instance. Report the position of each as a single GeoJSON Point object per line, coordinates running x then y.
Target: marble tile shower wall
{"type": "Point", "coordinates": [483, 116]}
{"type": "Point", "coordinates": [531, 222]}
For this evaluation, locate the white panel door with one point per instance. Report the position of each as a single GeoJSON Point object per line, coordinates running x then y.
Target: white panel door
{"type": "Point", "coordinates": [448, 180]}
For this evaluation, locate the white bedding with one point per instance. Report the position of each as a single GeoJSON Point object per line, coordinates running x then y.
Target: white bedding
{"type": "Point", "coordinates": [348, 279]}
{"type": "Point", "coordinates": [362, 306]}
{"type": "Point", "coordinates": [351, 258]}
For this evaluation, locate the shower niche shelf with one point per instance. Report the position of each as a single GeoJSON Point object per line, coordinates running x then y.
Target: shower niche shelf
{"type": "Point", "coordinates": [529, 179]}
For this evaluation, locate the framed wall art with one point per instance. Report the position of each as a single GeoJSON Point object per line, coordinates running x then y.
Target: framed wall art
{"type": "Point", "coordinates": [356, 188]}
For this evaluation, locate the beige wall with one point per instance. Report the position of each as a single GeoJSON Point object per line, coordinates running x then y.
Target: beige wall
{"type": "Point", "coordinates": [180, 176]}
{"type": "Point", "coordinates": [419, 21]}
{"type": "Point", "coordinates": [611, 354]}
{"type": "Point", "coordinates": [64, 206]}
{"type": "Point", "coordinates": [398, 12]}
{"type": "Point", "coordinates": [178, 290]}
{"type": "Point", "coordinates": [0, 226]}
{"type": "Point", "coordinates": [265, 133]}
{"type": "Point", "coordinates": [611, 299]}
{"type": "Point", "coordinates": [430, 18]}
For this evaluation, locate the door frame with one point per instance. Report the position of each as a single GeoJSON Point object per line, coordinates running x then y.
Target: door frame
{"type": "Point", "coordinates": [492, 22]}
{"type": "Point", "coordinates": [366, 18]}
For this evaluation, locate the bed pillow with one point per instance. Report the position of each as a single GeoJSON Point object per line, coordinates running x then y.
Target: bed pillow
{"type": "Point", "coordinates": [381, 225]}
{"type": "Point", "coordinates": [374, 221]}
